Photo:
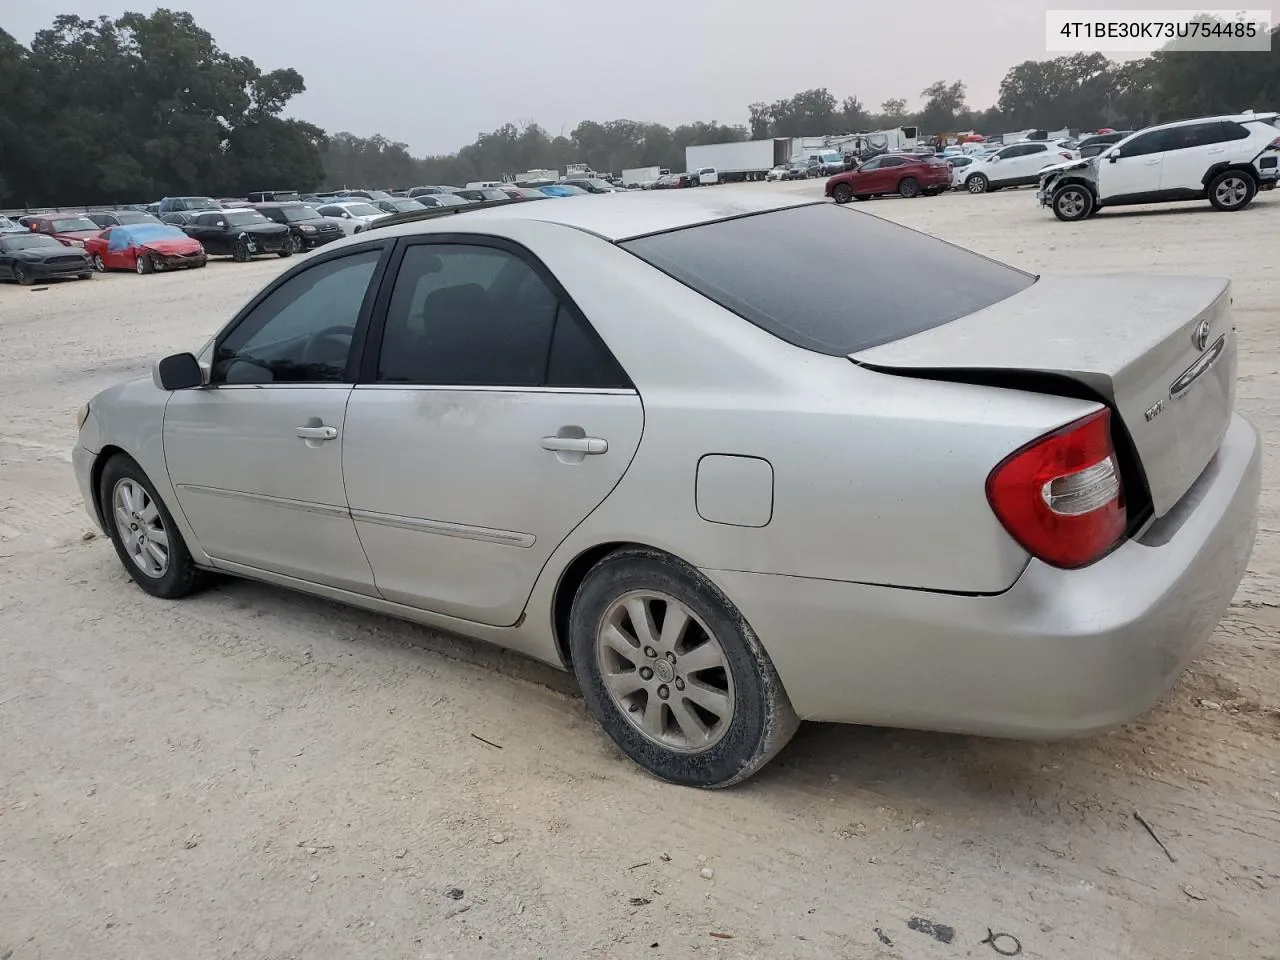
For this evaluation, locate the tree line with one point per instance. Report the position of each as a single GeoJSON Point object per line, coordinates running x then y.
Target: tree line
{"type": "Point", "coordinates": [137, 107]}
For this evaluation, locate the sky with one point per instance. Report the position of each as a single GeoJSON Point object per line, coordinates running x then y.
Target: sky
{"type": "Point", "coordinates": [435, 74]}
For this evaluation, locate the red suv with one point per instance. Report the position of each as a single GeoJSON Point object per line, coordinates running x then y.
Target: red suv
{"type": "Point", "coordinates": [908, 174]}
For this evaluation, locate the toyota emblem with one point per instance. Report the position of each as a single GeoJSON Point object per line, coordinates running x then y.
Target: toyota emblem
{"type": "Point", "coordinates": [1201, 335]}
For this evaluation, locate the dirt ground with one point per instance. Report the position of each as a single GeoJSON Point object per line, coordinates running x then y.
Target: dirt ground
{"type": "Point", "coordinates": [256, 774]}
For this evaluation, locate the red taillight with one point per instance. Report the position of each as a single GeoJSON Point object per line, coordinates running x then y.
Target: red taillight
{"type": "Point", "coordinates": [1061, 496]}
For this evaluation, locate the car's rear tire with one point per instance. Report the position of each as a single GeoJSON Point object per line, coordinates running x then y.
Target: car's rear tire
{"type": "Point", "coordinates": [842, 193]}
{"type": "Point", "coordinates": [1232, 190]}
{"type": "Point", "coordinates": [144, 265]}
{"type": "Point", "coordinates": [22, 276]}
{"type": "Point", "coordinates": [700, 706]}
{"type": "Point", "coordinates": [909, 187]}
{"type": "Point", "coordinates": [976, 183]}
{"type": "Point", "coordinates": [1072, 203]}
{"type": "Point", "coordinates": [146, 539]}
{"type": "Point", "coordinates": [99, 264]}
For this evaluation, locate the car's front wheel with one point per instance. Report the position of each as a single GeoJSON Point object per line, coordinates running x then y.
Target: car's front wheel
{"type": "Point", "coordinates": [1072, 202]}
{"type": "Point", "coordinates": [22, 275]}
{"type": "Point", "coordinates": [143, 532]}
{"type": "Point", "coordinates": [674, 674]}
{"type": "Point", "coordinates": [1232, 190]}
{"type": "Point", "coordinates": [976, 183]}
{"type": "Point", "coordinates": [144, 264]}
{"type": "Point", "coordinates": [240, 252]}
{"type": "Point", "coordinates": [99, 264]}
{"type": "Point", "coordinates": [842, 193]}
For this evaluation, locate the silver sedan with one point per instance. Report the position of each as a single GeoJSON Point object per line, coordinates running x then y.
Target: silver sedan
{"type": "Point", "coordinates": [731, 475]}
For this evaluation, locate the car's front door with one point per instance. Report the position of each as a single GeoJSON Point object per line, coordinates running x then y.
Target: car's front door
{"type": "Point", "coordinates": [114, 253]}
{"type": "Point", "coordinates": [488, 424]}
{"type": "Point", "coordinates": [868, 179]}
{"type": "Point", "coordinates": [256, 456]}
{"type": "Point", "coordinates": [1132, 168]}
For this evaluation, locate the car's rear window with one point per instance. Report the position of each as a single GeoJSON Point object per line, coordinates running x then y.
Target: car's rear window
{"type": "Point", "coordinates": [828, 278]}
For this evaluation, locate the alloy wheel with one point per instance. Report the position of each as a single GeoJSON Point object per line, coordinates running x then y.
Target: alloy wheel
{"type": "Point", "coordinates": [141, 528]}
{"type": "Point", "coordinates": [1071, 204]}
{"type": "Point", "coordinates": [1232, 191]}
{"type": "Point", "coordinates": [665, 671]}
{"type": "Point", "coordinates": [99, 264]}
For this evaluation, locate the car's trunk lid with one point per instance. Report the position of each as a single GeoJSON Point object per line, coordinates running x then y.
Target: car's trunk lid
{"type": "Point", "coordinates": [1161, 351]}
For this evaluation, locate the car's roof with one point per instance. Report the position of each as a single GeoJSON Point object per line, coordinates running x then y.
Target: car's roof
{"type": "Point", "coordinates": [620, 216]}
{"type": "Point", "coordinates": [1235, 117]}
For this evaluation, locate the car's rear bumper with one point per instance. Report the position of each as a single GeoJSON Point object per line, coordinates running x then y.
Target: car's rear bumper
{"type": "Point", "coordinates": [1060, 653]}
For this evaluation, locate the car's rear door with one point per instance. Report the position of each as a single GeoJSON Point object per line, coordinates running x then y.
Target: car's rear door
{"type": "Point", "coordinates": [488, 422]}
{"type": "Point", "coordinates": [256, 456]}
{"type": "Point", "coordinates": [1189, 151]}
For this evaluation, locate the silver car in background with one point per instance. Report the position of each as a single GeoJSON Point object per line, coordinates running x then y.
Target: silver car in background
{"type": "Point", "coordinates": [731, 478]}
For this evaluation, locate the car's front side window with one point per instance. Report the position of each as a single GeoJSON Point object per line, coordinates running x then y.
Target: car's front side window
{"type": "Point", "coordinates": [303, 330]}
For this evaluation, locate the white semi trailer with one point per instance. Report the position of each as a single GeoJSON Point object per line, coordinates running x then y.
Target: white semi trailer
{"type": "Point", "coordinates": [742, 160]}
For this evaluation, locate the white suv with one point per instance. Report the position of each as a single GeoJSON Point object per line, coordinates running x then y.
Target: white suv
{"type": "Point", "coordinates": [1225, 160]}
{"type": "Point", "coordinates": [1016, 165]}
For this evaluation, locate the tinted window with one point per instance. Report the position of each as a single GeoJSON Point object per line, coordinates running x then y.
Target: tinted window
{"type": "Point", "coordinates": [479, 316]}
{"type": "Point", "coordinates": [1145, 143]}
{"type": "Point", "coordinates": [893, 162]}
{"type": "Point", "coordinates": [301, 333]}
{"type": "Point", "coordinates": [244, 218]}
{"type": "Point", "coordinates": [854, 290]}
{"type": "Point", "coordinates": [1193, 135]}
{"type": "Point", "coordinates": [1230, 130]}
{"type": "Point", "coordinates": [873, 164]}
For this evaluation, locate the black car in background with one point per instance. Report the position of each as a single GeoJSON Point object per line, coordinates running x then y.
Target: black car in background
{"type": "Point", "coordinates": [1092, 146]}
{"type": "Point", "coordinates": [239, 234]}
{"type": "Point", "coordinates": [482, 194]}
{"type": "Point", "coordinates": [116, 218]}
{"type": "Point", "coordinates": [28, 257]}
{"type": "Point", "coordinates": [307, 229]}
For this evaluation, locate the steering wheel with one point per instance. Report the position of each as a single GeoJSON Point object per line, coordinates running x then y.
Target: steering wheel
{"type": "Point", "coordinates": [340, 334]}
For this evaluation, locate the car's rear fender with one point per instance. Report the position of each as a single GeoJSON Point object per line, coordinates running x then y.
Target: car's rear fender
{"type": "Point", "coordinates": [1244, 166]}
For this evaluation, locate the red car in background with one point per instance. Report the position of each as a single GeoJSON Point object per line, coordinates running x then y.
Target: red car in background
{"type": "Point", "coordinates": [69, 229]}
{"type": "Point", "coordinates": [907, 174]}
{"type": "Point", "coordinates": [144, 248]}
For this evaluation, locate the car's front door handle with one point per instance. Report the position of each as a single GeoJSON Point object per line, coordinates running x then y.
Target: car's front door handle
{"type": "Point", "coordinates": [588, 445]}
{"type": "Point", "coordinates": [317, 433]}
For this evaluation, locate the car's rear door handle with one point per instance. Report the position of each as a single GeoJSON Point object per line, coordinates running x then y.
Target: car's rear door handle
{"type": "Point", "coordinates": [588, 445]}
{"type": "Point", "coordinates": [317, 433]}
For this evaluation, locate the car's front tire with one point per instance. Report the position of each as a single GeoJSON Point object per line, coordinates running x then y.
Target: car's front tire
{"type": "Point", "coordinates": [842, 193]}
{"type": "Point", "coordinates": [144, 265]}
{"type": "Point", "coordinates": [22, 275]}
{"type": "Point", "coordinates": [976, 183]}
{"type": "Point", "coordinates": [142, 530]}
{"type": "Point", "coordinates": [240, 252]}
{"type": "Point", "coordinates": [1072, 203]}
{"type": "Point", "coordinates": [1232, 190]}
{"type": "Point", "coordinates": [99, 264]}
{"type": "Point", "coordinates": [674, 674]}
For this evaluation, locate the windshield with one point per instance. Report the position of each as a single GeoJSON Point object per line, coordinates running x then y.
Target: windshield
{"type": "Point", "coordinates": [601, 184]}
{"type": "Point", "coordinates": [201, 203]}
{"type": "Point", "coordinates": [405, 205]}
{"type": "Point", "coordinates": [242, 218]}
{"type": "Point", "coordinates": [73, 224]}
{"type": "Point", "coordinates": [148, 232]}
{"type": "Point", "coordinates": [29, 241]}
{"type": "Point", "coordinates": [134, 216]}
{"type": "Point", "coordinates": [767, 269]}
{"type": "Point", "coordinates": [299, 213]}
{"type": "Point", "coordinates": [367, 209]}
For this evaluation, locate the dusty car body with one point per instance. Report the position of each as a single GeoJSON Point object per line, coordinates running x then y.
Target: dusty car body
{"type": "Point", "coordinates": [671, 444]}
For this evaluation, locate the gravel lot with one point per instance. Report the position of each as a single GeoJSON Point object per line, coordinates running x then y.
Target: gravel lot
{"type": "Point", "coordinates": [256, 774]}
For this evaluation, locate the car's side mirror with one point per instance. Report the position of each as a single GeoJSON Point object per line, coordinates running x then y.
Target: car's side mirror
{"type": "Point", "coordinates": [181, 371]}
{"type": "Point", "coordinates": [1114, 155]}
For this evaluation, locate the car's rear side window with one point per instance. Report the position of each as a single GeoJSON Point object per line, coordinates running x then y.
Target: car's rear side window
{"type": "Point", "coordinates": [828, 278]}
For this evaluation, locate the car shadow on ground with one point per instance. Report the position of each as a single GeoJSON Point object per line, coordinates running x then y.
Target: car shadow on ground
{"type": "Point", "coordinates": [904, 768]}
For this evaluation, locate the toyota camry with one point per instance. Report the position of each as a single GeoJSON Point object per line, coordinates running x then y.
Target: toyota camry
{"type": "Point", "coordinates": [731, 478]}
